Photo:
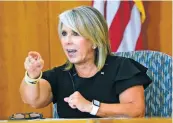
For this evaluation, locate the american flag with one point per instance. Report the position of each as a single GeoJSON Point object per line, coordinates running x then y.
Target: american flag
{"type": "Point", "coordinates": [124, 20]}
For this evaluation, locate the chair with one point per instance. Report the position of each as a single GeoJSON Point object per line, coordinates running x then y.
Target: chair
{"type": "Point", "coordinates": [55, 114]}
{"type": "Point", "coordinates": [158, 95]}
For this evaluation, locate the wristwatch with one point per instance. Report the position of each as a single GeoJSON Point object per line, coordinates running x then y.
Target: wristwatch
{"type": "Point", "coordinates": [95, 107]}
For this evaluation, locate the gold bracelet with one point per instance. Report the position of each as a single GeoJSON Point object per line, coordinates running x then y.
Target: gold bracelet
{"type": "Point", "coordinates": [29, 80]}
{"type": "Point", "coordinates": [31, 83]}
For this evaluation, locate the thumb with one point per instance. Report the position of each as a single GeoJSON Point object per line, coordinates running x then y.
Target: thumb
{"type": "Point", "coordinates": [66, 99]}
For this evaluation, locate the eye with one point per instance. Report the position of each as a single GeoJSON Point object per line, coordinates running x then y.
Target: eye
{"type": "Point", "coordinates": [64, 33]}
{"type": "Point", "coordinates": [75, 33]}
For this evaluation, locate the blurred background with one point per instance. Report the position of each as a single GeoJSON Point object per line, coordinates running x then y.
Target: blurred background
{"type": "Point", "coordinates": [32, 26]}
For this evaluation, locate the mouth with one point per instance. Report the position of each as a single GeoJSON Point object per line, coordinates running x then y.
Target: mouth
{"type": "Point", "coordinates": [71, 52]}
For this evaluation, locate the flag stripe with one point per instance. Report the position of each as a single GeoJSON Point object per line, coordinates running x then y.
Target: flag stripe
{"type": "Point", "coordinates": [99, 5]}
{"type": "Point", "coordinates": [124, 20]}
{"type": "Point", "coordinates": [139, 44]}
{"type": "Point", "coordinates": [112, 8]}
{"type": "Point", "coordinates": [132, 32]}
{"type": "Point", "coordinates": [119, 24]}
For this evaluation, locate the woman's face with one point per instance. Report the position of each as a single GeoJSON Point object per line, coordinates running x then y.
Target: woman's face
{"type": "Point", "coordinates": [77, 49]}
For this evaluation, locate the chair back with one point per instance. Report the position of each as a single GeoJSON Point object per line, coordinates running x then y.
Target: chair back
{"type": "Point", "coordinates": [55, 113]}
{"type": "Point", "coordinates": [158, 95]}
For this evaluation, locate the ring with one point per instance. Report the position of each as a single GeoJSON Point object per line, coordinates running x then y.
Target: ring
{"type": "Point", "coordinates": [73, 106]}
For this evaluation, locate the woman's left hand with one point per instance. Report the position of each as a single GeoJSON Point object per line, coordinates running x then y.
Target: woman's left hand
{"type": "Point", "coordinates": [76, 100]}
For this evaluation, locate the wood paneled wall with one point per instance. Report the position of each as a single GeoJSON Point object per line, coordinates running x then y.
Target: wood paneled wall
{"type": "Point", "coordinates": [157, 28]}
{"type": "Point", "coordinates": [23, 27]}
{"type": "Point", "coordinates": [26, 26]}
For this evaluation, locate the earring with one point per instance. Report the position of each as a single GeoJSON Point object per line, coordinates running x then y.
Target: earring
{"type": "Point", "coordinates": [94, 46]}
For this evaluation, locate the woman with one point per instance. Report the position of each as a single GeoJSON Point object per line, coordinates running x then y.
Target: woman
{"type": "Point", "coordinates": [92, 83]}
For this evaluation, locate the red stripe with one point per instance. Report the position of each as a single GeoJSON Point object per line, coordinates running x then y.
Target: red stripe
{"type": "Point", "coordinates": [119, 24]}
{"type": "Point", "coordinates": [139, 44]}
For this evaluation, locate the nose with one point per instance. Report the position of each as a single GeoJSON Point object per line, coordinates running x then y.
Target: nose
{"type": "Point", "coordinates": [68, 39]}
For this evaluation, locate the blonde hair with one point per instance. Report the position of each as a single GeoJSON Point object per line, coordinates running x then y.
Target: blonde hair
{"type": "Point", "coordinates": [89, 23]}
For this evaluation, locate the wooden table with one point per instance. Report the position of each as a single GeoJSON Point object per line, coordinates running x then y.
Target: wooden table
{"type": "Point", "coordinates": [101, 120]}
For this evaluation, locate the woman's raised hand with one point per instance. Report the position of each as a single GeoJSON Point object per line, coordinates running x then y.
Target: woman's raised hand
{"type": "Point", "coordinates": [33, 64]}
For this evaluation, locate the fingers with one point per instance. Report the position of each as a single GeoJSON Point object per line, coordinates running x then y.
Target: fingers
{"type": "Point", "coordinates": [66, 99]}
{"type": "Point", "coordinates": [34, 55]}
{"type": "Point", "coordinates": [70, 102]}
{"type": "Point", "coordinates": [72, 106]}
{"type": "Point", "coordinates": [36, 62]}
{"type": "Point", "coordinates": [76, 100]}
{"type": "Point", "coordinates": [33, 64]}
